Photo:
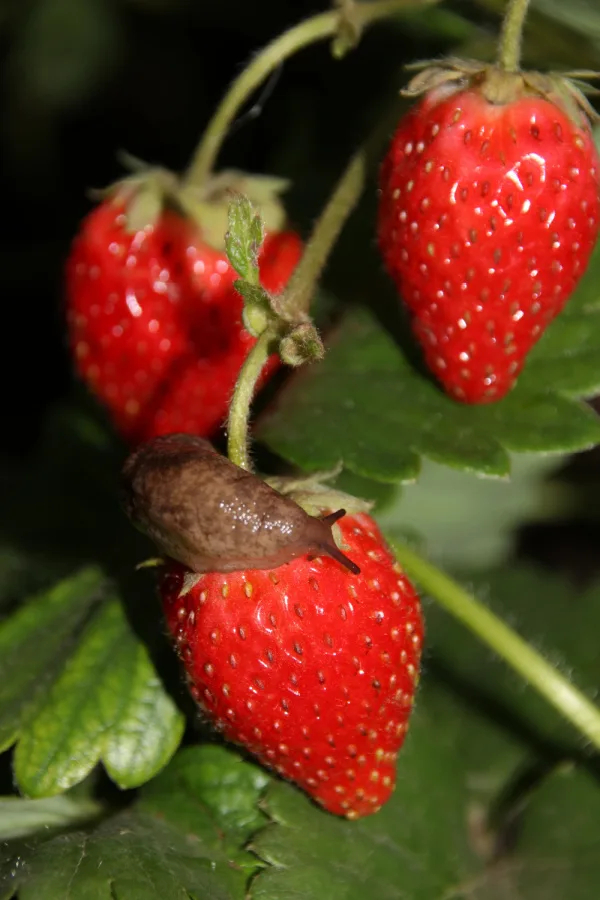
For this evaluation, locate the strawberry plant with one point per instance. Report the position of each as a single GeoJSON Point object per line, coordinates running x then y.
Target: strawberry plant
{"type": "Point", "coordinates": [324, 662]}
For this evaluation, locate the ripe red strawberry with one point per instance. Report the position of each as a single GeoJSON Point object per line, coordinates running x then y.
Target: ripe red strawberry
{"type": "Point", "coordinates": [489, 212]}
{"type": "Point", "coordinates": [155, 323]}
{"type": "Point", "coordinates": [309, 667]}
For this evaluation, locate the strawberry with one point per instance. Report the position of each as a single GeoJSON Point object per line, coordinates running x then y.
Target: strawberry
{"type": "Point", "coordinates": [154, 320]}
{"type": "Point", "coordinates": [488, 215]}
{"type": "Point", "coordinates": [310, 668]}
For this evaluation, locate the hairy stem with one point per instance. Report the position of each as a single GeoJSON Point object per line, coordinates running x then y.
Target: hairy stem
{"type": "Point", "coordinates": [316, 28]}
{"type": "Point", "coordinates": [509, 51]}
{"type": "Point", "coordinates": [300, 289]}
{"type": "Point", "coordinates": [520, 655]}
{"type": "Point", "coordinates": [239, 409]}
{"type": "Point", "coordinates": [294, 301]}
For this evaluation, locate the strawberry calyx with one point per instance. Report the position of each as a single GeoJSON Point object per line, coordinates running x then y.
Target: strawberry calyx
{"type": "Point", "coordinates": [142, 195]}
{"type": "Point", "coordinates": [208, 206]}
{"type": "Point", "coordinates": [499, 86]}
{"type": "Point", "coordinates": [148, 191]}
{"type": "Point", "coordinates": [301, 344]}
{"type": "Point", "coordinates": [317, 498]}
{"type": "Point", "coordinates": [298, 340]}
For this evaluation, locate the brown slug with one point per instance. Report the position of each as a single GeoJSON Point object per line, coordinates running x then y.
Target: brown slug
{"type": "Point", "coordinates": [209, 514]}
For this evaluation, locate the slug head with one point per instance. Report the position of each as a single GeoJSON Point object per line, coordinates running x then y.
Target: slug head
{"type": "Point", "coordinates": [321, 538]}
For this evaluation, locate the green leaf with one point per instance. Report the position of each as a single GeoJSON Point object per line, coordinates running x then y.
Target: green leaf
{"type": "Point", "coordinates": [450, 510]}
{"type": "Point", "coordinates": [557, 851]}
{"type": "Point", "coordinates": [417, 847]}
{"type": "Point", "coordinates": [20, 818]}
{"type": "Point", "coordinates": [107, 705]}
{"type": "Point", "coordinates": [253, 294]}
{"type": "Point", "coordinates": [131, 856]}
{"type": "Point", "coordinates": [34, 643]}
{"type": "Point", "coordinates": [211, 792]}
{"type": "Point", "coordinates": [382, 495]}
{"type": "Point", "coordinates": [187, 832]}
{"type": "Point", "coordinates": [73, 697]}
{"type": "Point", "coordinates": [563, 626]}
{"type": "Point", "coordinates": [367, 405]}
{"type": "Point", "coordinates": [244, 239]}
{"type": "Point", "coordinates": [490, 753]}
{"type": "Point", "coordinates": [207, 803]}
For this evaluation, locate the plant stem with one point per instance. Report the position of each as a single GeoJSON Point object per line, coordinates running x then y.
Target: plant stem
{"type": "Point", "coordinates": [295, 300]}
{"type": "Point", "coordinates": [239, 409]}
{"type": "Point", "coordinates": [520, 655]}
{"type": "Point", "coordinates": [509, 52]}
{"type": "Point", "coordinates": [301, 286]}
{"type": "Point", "coordinates": [316, 28]}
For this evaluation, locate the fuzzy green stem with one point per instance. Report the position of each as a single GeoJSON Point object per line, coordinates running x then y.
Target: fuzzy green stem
{"type": "Point", "coordinates": [316, 28]}
{"type": "Point", "coordinates": [239, 409]}
{"type": "Point", "coordinates": [301, 286]}
{"type": "Point", "coordinates": [509, 52]}
{"type": "Point", "coordinates": [520, 655]}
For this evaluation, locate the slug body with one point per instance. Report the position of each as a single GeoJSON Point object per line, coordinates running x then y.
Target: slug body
{"type": "Point", "coordinates": [212, 516]}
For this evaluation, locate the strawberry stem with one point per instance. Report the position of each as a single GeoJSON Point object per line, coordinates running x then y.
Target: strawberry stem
{"type": "Point", "coordinates": [520, 655]}
{"type": "Point", "coordinates": [509, 52]}
{"type": "Point", "coordinates": [294, 303]}
{"type": "Point", "coordinates": [310, 31]}
{"type": "Point", "coordinates": [299, 292]}
{"type": "Point", "coordinates": [239, 410]}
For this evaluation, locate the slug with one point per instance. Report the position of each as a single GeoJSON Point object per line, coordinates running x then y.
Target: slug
{"type": "Point", "coordinates": [212, 516]}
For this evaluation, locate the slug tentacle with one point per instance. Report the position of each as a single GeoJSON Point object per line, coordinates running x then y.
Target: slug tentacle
{"type": "Point", "coordinates": [330, 547]}
{"type": "Point", "coordinates": [334, 517]}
